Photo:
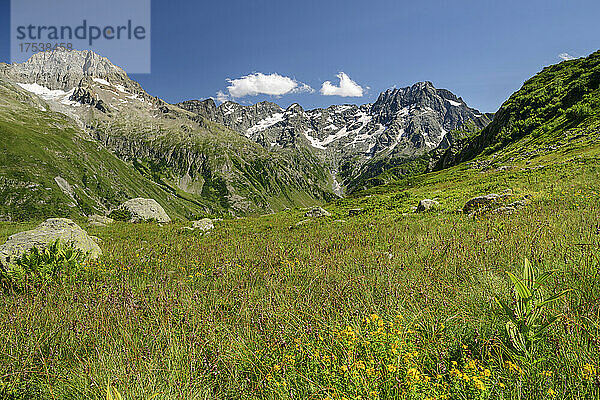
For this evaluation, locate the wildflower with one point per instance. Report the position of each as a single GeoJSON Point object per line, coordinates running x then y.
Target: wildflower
{"type": "Point", "coordinates": [551, 392]}
{"type": "Point", "coordinates": [413, 374]}
{"type": "Point", "coordinates": [546, 373]}
{"type": "Point", "coordinates": [487, 373]}
{"type": "Point", "coordinates": [455, 372]}
{"type": "Point", "coordinates": [471, 364]}
{"type": "Point", "coordinates": [391, 368]}
{"type": "Point", "coordinates": [276, 367]}
{"type": "Point", "coordinates": [588, 372]}
{"type": "Point", "coordinates": [344, 368]}
{"type": "Point", "coordinates": [478, 384]}
{"type": "Point", "coordinates": [512, 367]}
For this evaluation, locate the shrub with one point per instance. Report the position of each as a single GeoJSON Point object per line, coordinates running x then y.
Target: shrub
{"type": "Point", "coordinates": [38, 267]}
{"type": "Point", "coordinates": [579, 112]}
{"type": "Point", "coordinates": [120, 214]}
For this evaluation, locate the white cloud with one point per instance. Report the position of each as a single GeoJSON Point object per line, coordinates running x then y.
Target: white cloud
{"type": "Point", "coordinates": [222, 97]}
{"type": "Point", "coordinates": [347, 87]}
{"type": "Point", "coordinates": [566, 56]}
{"type": "Point", "coordinates": [303, 87]}
{"type": "Point", "coordinates": [258, 83]}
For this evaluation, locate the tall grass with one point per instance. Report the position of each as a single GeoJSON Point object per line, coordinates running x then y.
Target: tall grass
{"type": "Point", "coordinates": [193, 316]}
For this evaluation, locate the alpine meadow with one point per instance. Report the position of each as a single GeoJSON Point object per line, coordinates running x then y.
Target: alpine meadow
{"type": "Point", "coordinates": [412, 247]}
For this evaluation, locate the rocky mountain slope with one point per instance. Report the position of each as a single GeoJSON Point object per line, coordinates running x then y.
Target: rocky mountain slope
{"type": "Point", "coordinates": [548, 109]}
{"type": "Point", "coordinates": [202, 163]}
{"type": "Point", "coordinates": [351, 140]}
{"type": "Point", "coordinates": [230, 159]}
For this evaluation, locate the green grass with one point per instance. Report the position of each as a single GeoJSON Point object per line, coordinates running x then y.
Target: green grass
{"type": "Point", "coordinates": [208, 316]}
{"type": "Point", "coordinates": [263, 308]}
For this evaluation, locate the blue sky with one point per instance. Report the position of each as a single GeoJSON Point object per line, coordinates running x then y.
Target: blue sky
{"type": "Point", "coordinates": [480, 50]}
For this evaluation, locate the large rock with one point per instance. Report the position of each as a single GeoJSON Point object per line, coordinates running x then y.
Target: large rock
{"type": "Point", "coordinates": [480, 202]}
{"type": "Point", "coordinates": [426, 205]}
{"type": "Point", "coordinates": [63, 229]}
{"type": "Point", "coordinates": [317, 212]}
{"type": "Point", "coordinates": [145, 209]}
{"type": "Point", "coordinates": [205, 224]}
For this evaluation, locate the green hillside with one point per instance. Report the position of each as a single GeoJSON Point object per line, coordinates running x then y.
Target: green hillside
{"type": "Point", "coordinates": [38, 145]}
{"type": "Point", "coordinates": [561, 98]}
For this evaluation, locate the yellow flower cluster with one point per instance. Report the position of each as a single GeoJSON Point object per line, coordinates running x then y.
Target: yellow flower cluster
{"type": "Point", "coordinates": [376, 359]}
{"type": "Point", "coordinates": [589, 372]}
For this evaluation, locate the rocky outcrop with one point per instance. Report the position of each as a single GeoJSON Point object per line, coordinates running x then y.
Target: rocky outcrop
{"type": "Point", "coordinates": [427, 205]}
{"type": "Point", "coordinates": [494, 203]}
{"type": "Point", "coordinates": [144, 210]}
{"type": "Point", "coordinates": [52, 229]}
{"type": "Point", "coordinates": [481, 202]}
{"type": "Point", "coordinates": [317, 212]}
{"type": "Point", "coordinates": [205, 224]}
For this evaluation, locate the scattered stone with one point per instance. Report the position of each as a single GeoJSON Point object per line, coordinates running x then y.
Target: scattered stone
{"type": "Point", "coordinates": [519, 203]}
{"type": "Point", "coordinates": [505, 168]}
{"type": "Point", "coordinates": [204, 224]}
{"type": "Point", "coordinates": [303, 222]}
{"type": "Point", "coordinates": [99, 220]}
{"type": "Point", "coordinates": [63, 229]}
{"type": "Point", "coordinates": [144, 210]}
{"type": "Point", "coordinates": [317, 212]}
{"type": "Point", "coordinates": [356, 211]}
{"type": "Point", "coordinates": [481, 202]}
{"type": "Point", "coordinates": [426, 205]}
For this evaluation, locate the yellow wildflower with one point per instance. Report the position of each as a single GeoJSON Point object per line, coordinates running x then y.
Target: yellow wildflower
{"type": "Point", "coordinates": [391, 368]}
{"type": "Point", "coordinates": [588, 372]}
{"type": "Point", "coordinates": [478, 384]}
{"type": "Point", "coordinates": [551, 392]}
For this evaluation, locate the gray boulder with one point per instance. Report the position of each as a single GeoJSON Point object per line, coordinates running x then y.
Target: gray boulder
{"type": "Point", "coordinates": [63, 229]}
{"type": "Point", "coordinates": [426, 205]}
{"type": "Point", "coordinates": [145, 209]}
{"type": "Point", "coordinates": [317, 212]}
{"type": "Point", "coordinates": [205, 224]}
{"type": "Point", "coordinates": [480, 202]}
{"type": "Point", "coordinates": [99, 220]}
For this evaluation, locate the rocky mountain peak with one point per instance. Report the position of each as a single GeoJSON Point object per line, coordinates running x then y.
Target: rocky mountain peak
{"type": "Point", "coordinates": [403, 122]}
{"type": "Point", "coordinates": [65, 69]}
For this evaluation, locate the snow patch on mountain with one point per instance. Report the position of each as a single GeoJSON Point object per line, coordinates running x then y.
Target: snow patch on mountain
{"type": "Point", "coordinates": [265, 123]}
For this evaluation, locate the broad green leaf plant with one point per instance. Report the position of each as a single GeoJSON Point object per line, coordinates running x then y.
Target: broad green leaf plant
{"type": "Point", "coordinates": [527, 320]}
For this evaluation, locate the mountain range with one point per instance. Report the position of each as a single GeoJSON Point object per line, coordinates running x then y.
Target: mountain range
{"type": "Point", "coordinates": [94, 138]}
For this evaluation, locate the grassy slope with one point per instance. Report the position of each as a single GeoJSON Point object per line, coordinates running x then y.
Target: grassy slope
{"type": "Point", "coordinates": [37, 146]}
{"type": "Point", "coordinates": [187, 315]}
